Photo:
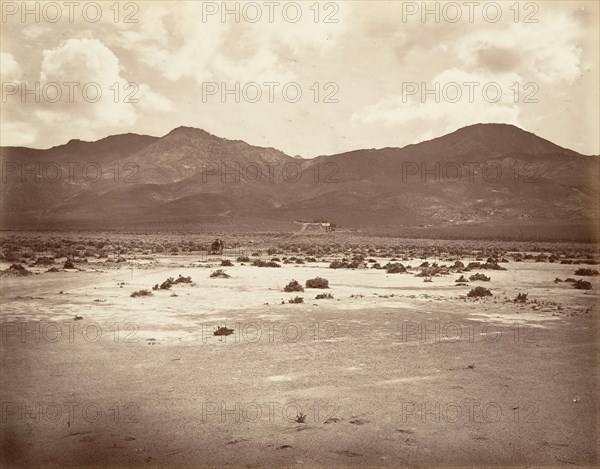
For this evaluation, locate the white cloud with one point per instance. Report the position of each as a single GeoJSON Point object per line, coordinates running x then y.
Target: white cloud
{"type": "Point", "coordinates": [213, 50]}
{"type": "Point", "coordinates": [454, 104]}
{"type": "Point", "coordinates": [89, 62]}
{"type": "Point", "coordinates": [545, 51]}
{"type": "Point", "coordinates": [151, 101]}
{"type": "Point", "coordinates": [9, 68]}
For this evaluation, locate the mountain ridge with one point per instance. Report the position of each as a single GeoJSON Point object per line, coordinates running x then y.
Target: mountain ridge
{"type": "Point", "coordinates": [190, 174]}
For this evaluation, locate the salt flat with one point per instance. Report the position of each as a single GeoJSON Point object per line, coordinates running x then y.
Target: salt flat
{"type": "Point", "coordinates": [392, 371]}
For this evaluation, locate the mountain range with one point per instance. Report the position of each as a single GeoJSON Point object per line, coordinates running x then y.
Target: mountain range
{"type": "Point", "coordinates": [484, 180]}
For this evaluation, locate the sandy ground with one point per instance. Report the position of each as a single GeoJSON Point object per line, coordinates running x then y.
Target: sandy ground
{"type": "Point", "coordinates": [391, 372]}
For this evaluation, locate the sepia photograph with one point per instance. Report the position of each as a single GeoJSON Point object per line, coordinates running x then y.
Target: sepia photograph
{"type": "Point", "coordinates": [312, 233]}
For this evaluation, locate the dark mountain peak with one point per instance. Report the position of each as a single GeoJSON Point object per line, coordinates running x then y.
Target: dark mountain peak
{"type": "Point", "coordinates": [190, 132]}
{"type": "Point", "coordinates": [492, 138]}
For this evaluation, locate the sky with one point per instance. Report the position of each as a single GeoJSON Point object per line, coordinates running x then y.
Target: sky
{"type": "Point", "coordinates": [308, 78]}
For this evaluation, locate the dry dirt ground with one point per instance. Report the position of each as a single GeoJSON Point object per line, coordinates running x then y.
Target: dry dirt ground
{"type": "Point", "coordinates": [392, 372]}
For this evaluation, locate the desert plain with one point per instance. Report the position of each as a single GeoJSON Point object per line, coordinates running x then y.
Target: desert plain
{"type": "Point", "coordinates": [396, 369]}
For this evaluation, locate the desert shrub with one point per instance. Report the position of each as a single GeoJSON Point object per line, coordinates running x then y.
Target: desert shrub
{"type": "Point", "coordinates": [276, 259]}
{"type": "Point", "coordinates": [317, 282]}
{"type": "Point", "coordinates": [296, 300]}
{"type": "Point", "coordinates": [223, 330]}
{"type": "Point", "coordinates": [587, 272]}
{"type": "Point", "coordinates": [324, 296]}
{"type": "Point", "coordinates": [182, 279]}
{"type": "Point", "coordinates": [395, 268]}
{"type": "Point", "coordinates": [566, 261]}
{"type": "Point", "coordinates": [481, 277]}
{"type": "Point", "coordinates": [570, 280]}
{"type": "Point", "coordinates": [311, 259]}
{"type": "Point", "coordinates": [260, 263]}
{"type": "Point", "coordinates": [135, 294]}
{"type": "Point", "coordinates": [293, 286]}
{"type": "Point", "coordinates": [423, 264]}
{"type": "Point", "coordinates": [355, 263]}
{"type": "Point", "coordinates": [12, 256]}
{"type": "Point", "coordinates": [473, 265]}
{"type": "Point", "coordinates": [479, 292]}
{"type": "Point", "coordinates": [226, 263]}
{"type": "Point", "coordinates": [219, 273]}
{"type": "Point", "coordinates": [69, 264]}
{"type": "Point", "coordinates": [17, 270]}
{"type": "Point", "coordinates": [521, 298]}
{"type": "Point", "coordinates": [167, 284]}
{"type": "Point", "coordinates": [431, 271]}
{"type": "Point", "coordinates": [52, 269]}
{"type": "Point", "coordinates": [243, 259]}
{"type": "Point", "coordinates": [44, 260]}
{"type": "Point", "coordinates": [458, 265]}
{"type": "Point", "coordinates": [461, 279]}
{"type": "Point", "coordinates": [582, 285]}
{"type": "Point", "coordinates": [377, 265]}
{"type": "Point", "coordinates": [492, 266]}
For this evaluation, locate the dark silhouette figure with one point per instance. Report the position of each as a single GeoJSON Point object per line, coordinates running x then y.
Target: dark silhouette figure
{"type": "Point", "coordinates": [216, 247]}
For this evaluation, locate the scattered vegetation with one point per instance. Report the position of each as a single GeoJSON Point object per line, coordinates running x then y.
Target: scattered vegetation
{"type": "Point", "coordinates": [521, 298]}
{"type": "Point", "coordinates": [296, 300]}
{"type": "Point", "coordinates": [219, 273]}
{"type": "Point", "coordinates": [317, 282]}
{"type": "Point", "coordinates": [17, 270]}
{"type": "Point", "coordinates": [261, 263]}
{"type": "Point", "coordinates": [479, 292]}
{"type": "Point", "coordinates": [226, 263]}
{"type": "Point", "coordinates": [479, 277]}
{"type": "Point", "coordinates": [587, 272]}
{"type": "Point", "coordinates": [167, 284]}
{"type": "Point", "coordinates": [293, 286]}
{"type": "Point", "coordinates": [44, 260]}
{"type": "Point", "coordinates": [138, 293]}
{"type": "Point", "coordinates": [582, 285]}
{"type": "Point", "coordinates": [395, 268]}
{"type": "Point", "coordinates": [324, 296]}
{"type": "Point", "coordinates": [345, 264]}
{"type": "Point", "coordinates": [223, 330]}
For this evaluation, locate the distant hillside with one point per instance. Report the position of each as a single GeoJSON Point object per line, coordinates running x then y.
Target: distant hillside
{"type": "Point", "coordinates": [494, 179]}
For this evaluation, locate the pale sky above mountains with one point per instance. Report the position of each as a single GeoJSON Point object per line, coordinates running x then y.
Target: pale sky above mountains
{"type": "Point", "coordinates": [371, 64]}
